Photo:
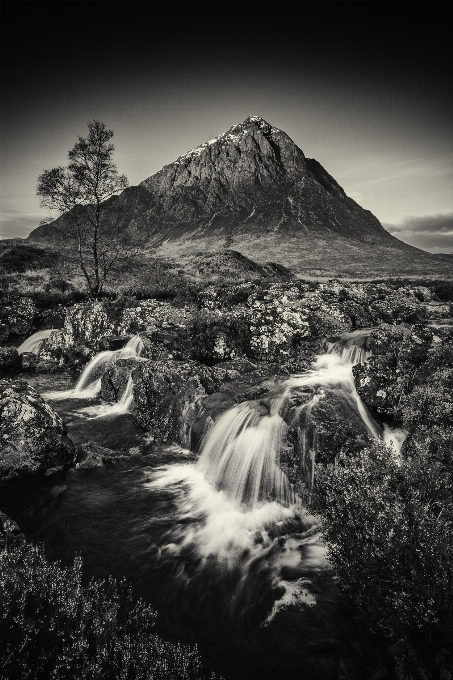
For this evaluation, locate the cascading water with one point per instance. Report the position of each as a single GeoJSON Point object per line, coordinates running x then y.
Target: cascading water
{"type": "Point", "coordinates": [86, 386]}
{"type": "Point", "coordinates": [33, 343]}
{"type": "Point", "coordinates": [89, 383]}
{"type": "Point", "coordinates": [352, 347]}
{"type": "Point", "coordinates": [121, 406]}
{"type": "Point", "coordinates": [235, 506]}
{"type": "Point", "coordinates": [239, 456]}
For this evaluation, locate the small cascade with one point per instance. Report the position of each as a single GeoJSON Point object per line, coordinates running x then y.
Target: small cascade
{"type": "Point", "coordinates": [118, 408]}
{"type": "Point", "coordinates": [239, 456]}
{"type": "Point", "coordinates": [89, 383]}
{"type": "Point", "coordinates": [33, 343]}
{"type": "Point", "coordinates": [86, 386]}
{"type": "Point", "coordinates": [352, 348]}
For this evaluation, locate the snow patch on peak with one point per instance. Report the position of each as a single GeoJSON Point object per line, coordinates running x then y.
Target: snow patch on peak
{"type": "Point", "coordinates": [234, 134]}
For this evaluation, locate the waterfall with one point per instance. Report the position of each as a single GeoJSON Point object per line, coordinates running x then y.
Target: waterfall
{"type": "Point", "coordinates": [352, 347]}
{"type": "Point", "coordinates": [235, 508]}
{"type": "Point", "coordinates": [239, 456]}
{"type": "Point", "coordinates": [89, 383]}
{"type": "Point", "coordinates": [86, 386]}
{"type": "Point", "coordinates": [33, 343]}
{"type": "Point", "coordinates": [118, 408]}
{"type": "Point", "coordinates": [240, 453]}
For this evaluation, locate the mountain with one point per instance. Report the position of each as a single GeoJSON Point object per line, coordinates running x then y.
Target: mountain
{"type": "Point", "coordinates": [253, 189]}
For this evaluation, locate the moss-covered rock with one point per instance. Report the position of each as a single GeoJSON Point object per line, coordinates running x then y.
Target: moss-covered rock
{"type": "Point", "coordinates": [16, 316]}
{"type": "Point", "coordinates": [9, 358]}
{"type": "Point", "coordinates": [32, 435]}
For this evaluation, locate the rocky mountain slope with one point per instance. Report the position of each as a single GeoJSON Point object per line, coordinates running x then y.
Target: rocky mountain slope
{"type": "Point", "coordinates": [253, 189]}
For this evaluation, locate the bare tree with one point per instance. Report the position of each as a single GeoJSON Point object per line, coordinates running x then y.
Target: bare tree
{"type": "Point", "coordinates": [80, 192]}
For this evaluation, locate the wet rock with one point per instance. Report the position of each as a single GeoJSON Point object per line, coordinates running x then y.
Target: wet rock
{"type": "Point", "coordinates": [56, 352]}
{"type": "Point", "coordinates": [112, 342]}
{"type": "Point", "coordinates": [32, 436]}
{"type": "Point", "coordinates": [389, 373]}
{"type": "Point", "coordinates": [9, 358]}
{"type": "Point", "coordinates": [115, 378]}
{"type": "Point", "coordinates": [29, 361]}
{"type": "Point", "coordinates": [91, 456]}
{"type": "Point", "coordinates": [166, 396]}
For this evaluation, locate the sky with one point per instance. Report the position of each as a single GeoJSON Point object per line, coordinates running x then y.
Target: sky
{"type": "Point", "coordinates": [362, 86]}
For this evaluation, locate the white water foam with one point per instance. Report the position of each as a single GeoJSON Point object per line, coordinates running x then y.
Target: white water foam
{"type": "Point", "coordinates": [118, 408]}
{"type": "Point", "coordinates": [237, 536]}
{"type": "Point", "coordinates": [33, 343]}
{"type": "Point", "coordinates": [89, 384]}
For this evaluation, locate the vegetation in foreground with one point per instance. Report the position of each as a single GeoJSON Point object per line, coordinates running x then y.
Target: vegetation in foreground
{"type": "Point", "coordinates": [52, 626]}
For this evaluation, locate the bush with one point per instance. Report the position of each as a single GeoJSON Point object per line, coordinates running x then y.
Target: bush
{"type": "Point", "coordinates": [387, 524]}
{"type": "Point", "coordinates": [53, 627]}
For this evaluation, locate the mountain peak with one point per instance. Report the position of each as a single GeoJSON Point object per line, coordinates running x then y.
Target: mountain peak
{"type": "Point", "coordinates": [233, 135]}
{"type": "Point", "coordinates": [250, 181]}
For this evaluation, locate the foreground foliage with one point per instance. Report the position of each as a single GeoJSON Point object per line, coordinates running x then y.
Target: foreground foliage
{"type": "Point", "coordinates": [52, 626]}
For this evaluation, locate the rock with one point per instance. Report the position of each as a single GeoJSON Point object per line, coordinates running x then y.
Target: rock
{"type": "Point", "coordinates": [152, 315]}
{"type": "Point", "coordinates": [115, 378]}
{"type": "Point", "coordinates": [29, 361]}
{"type": "Point", "coordinates": [4, 331]}
{"type": "Point", "coordinates": [53, 317]}
{"type": "Point", "coordinates": [91, 456]}
{"type": "Point", "coordinates": [32, 436]}
{"type": "Point", "coordinates": [388, 374]}
{"type": "Point", "coordinates": [87, 322]}
{"type": "Point", "coordinates": [9, 358]}
{"type": "Point", "coordinates": [16, 316]}
{"type": "Point", "coordinates": [166, 395]}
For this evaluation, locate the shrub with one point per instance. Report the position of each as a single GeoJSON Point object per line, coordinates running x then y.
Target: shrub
{"type": "Point", "coordinates": [387, 524]}
{"type": "Point", "coordinates": [53, 627]}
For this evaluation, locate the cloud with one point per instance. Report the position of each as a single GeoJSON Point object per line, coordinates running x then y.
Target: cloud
{"type": "Point", "coordinates": [14, 224]}
{"type": "Point", "coordinates": [430, 232]}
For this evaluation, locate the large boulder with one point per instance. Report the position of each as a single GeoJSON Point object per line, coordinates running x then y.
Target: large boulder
{"type": "Point", "coordinates": [16, 316]}
{"type": "Point", "coordinates": [87, 322]}
{"type": "Point", "coordinates": [388, 374]}
{"type": "Point", "coordinates": [32, 436]}
{"type": "Point", "coordinates": [9, 358]}
{"type": "Point", "coordinates": [165, 394]}
{"type": "Point", "coordinates": [180, 400]}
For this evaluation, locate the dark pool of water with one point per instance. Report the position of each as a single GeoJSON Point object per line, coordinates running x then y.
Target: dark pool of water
{"type": "Point", "coordinates": [120, 526]}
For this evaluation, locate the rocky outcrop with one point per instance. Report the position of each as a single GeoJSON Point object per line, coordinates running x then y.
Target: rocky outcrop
{"type": "Point", "coordinates": [32, 436]}
{"type": "Point", "coordinates": [87, 322]}
{"type": "Point", "coordinates": [397, 352]}
{"type": "Point", "coordinates": [166, 394]}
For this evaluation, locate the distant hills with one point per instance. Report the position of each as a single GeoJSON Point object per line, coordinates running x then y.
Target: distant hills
{"type": "Point", "coordinates": [253, 190]}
